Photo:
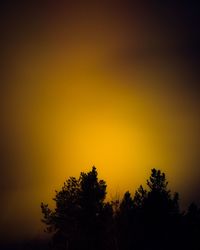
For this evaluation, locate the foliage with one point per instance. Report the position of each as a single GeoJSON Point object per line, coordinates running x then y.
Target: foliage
{"type": "Point", "coordinates": [81, 213]}
{"type": "Point", "coordinates": [151, 219]}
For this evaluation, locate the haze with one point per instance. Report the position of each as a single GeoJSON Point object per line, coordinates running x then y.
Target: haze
{"type": "Point", "coordinates": [110, 85]}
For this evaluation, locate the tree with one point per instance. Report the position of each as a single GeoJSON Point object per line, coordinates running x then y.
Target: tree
{"type": "Point", "coordinates": [159, 198]}
{"type": "Point", "coordinates": [140, 197]}
{"type": "Point", "coordinates": [82, 219]}
{"type": "Point", "coordinates": [159, 211]}
{"type": "Point", "coordinates": [124, 221]}
{"type": "Point", "coordinates": [81, 215]}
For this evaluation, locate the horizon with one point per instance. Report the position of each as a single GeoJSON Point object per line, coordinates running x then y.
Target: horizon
{"type": "Point", "coordinates": [42, 237]}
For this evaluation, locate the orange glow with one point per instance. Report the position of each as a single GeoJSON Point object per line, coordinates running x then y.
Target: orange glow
{"type": "Point", "coordinates": [72, 104]}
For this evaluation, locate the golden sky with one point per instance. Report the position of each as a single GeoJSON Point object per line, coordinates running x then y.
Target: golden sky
{"type": "Point", "coordinates": [112, 85]}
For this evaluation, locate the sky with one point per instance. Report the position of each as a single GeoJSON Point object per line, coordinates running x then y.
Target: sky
{"type": "Point", "coordinates": [113, 84]}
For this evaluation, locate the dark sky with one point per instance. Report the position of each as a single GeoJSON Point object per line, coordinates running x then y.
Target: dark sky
{"type": "Point", "coordinates": [108, 83]}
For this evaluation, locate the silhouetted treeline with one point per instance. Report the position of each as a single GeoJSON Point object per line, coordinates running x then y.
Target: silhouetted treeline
{"type": "Point", "coordinates": [149, 219]}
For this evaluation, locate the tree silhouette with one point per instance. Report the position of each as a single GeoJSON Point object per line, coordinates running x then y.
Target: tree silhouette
{"type": "Point", "coordinates": [140, 197]}
{"type": "Point", "coordinates": [81, 216]}
{"type": "Point", "coordinates": [159, 199]}
{"type": "Point", "coordinates": [151, 219]}
{"type": "Point", "coordinates": [124, 221]}
{"type": "Point", "coordinates": [149, 215]}
{"type": "Point", "coordinates": [160, 210]}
